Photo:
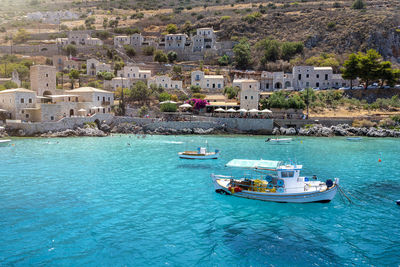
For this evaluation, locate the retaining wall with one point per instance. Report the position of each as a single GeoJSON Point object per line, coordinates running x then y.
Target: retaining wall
{"type": "Point", "coordinates": [61, 125]}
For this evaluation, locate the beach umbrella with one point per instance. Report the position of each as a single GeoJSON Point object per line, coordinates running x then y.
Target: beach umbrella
{"type": "Point", "coordinates": [168, 102]}
{"type": "Point", "coordinates": [231, 110]}
{"type": "Point", "coordinates": [242, 110]}
{"type": "Point", "coordinates": [254, 110]}
{"type": "Point", "coordinates": [266, 111]}
{"type": "Point", "coordinates": [220, 110]}
{"type": "Point", "coordinates": [185, 106]}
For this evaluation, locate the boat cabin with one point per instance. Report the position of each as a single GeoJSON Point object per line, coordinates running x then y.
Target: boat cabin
{"type": "Point", "coordinates": [289, 171]}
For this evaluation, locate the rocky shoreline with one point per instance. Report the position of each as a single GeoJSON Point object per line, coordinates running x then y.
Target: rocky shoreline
{"type": "Point", "coordinates": [131, 128]}
{"type": "Point", "coordinates": [337, 130]}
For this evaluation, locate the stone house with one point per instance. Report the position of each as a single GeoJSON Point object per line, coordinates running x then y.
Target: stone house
{"type": "Point", "coordinates": [175, 41]}
{"type": "Point", "coordinates": [312, 77]}
{"type": "Point", "coordinates": [43, 79]}
{"type": "Point", "coordinates": [210, 82]}
{"type": "Point", "coordinates": [64, 63]}
{"type": "Point", "coordinates": [120, 82]}
{"type": "Point", "coordinates": [271, 81]}
{"type": "Point", "coordinates": [249, 94]}
{"type": "Point", "coordinates": [302, 77]}
{"type": "Point", "coordinates": [121, 40]}
{"type": "Point", "coordinates": [93, 66]}
{"type": "Point", "coordinates": [136, 40]}
{"type": "Point", "coordinates": [134, 72]}
{"type": "Point", "coordinates": [204, 39]}
{"type": "Point", "coordinates": [79, 38]}
{"type": "Point", "coordinates": [18, 102]}
{"type": "Point", "coordinates": [165, 82]}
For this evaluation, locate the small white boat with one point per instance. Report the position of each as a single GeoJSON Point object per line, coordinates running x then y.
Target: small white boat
{"type": "Point", "coordinates": [5, 142]}
{"type": "Point", "coordinates": [279, 140]}
{"type": "Point", "coordinates": [285, 186]}
{"type": "Point", "coordinates": [354, 139]}
{"type": "Point", "coordinates": [201, 153]}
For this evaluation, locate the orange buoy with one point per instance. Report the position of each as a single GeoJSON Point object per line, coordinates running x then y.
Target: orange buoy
{"type": "Point", "coordinates": [379, 160]}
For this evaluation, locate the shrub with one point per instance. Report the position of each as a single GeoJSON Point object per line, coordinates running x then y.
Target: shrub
{"type": "Point", "coordinates": [148, 50]}
{"type": "Point", "coordinates": [143, 111]}
{"type": "Point", "coordinates": [225, 18]}
{"type": "Point", "coordinates": [164, 97]}
{"type": "Point", "coordinates": [198, 103]}
{"type": "Point", "coordinates": [358, 4]}
{"type": "Point", "coordinates": [363, 123]}
{"type": "Point", "coordinates": [172, 56]}
{"type": "Point", "coordinates": [130, 51]}
{"type": "Point", "coordinates": [198, 95]}
{"type": "Point", "coordinates": [172, 28]}
{"type": "Point", "coordinates": [331, 25]}
{"type": "Point", "coordinates": [224, 60]}
{"type": "Point", "coordinates": [168, 107]}
{"type": "Point", "coordinates": [195, 88]}
{"type": "Point", "coordinates": [160, 56]}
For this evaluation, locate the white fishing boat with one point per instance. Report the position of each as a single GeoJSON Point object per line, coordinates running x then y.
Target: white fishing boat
{"type": "Point", "coordinates": [275, 182]}
{"type": "Point", "coordinates": [201, 153]}
{"type": "Point", "coordinates": [5, 142]}
{"type": "Point", "coordinates": [279, 140]}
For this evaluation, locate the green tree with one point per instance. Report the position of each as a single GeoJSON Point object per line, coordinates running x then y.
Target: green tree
{"type": "Point", "coordinates": [351, 69]}
{"type": "Point", "coordinates": [118, 66]}
{"type": "Point", "coordinates": [358, 4]}
{"type": "Point", "coordinates": [160, 57]}
{"type": "Point", "coordinates": [130, 51]}
{"type": "Point", "coordinates": [164, 97]}
{"type": "Point", "coordinates": [172, 28]}
{"type": "Point", "coordinates": [177, 72]}
{"type": "Point", "coordinates": [272, 51]}
{"type": "Point", "coordinates": [10, 85]}
{"type": "Point", "coordinates": [21, 36]}
{"type": "Point", "coordinates": [70, 49]}
{"type": "Point", "coordinates": [242, 54]}
{"type": "Point", "coordinates": [231, 92]}
{"type": "Point", "coordinates": [369, 66]}
{"type": "Point", "coordinates": [224, 60]}
{"type": "Point", "coordinates": [140, 92]}
{"type": "Point", "coordinates": [73, 75]}
{"type": "Point", "coordinates": [387, 74]}
{"type": "Point", "coordinates": [172, 56]}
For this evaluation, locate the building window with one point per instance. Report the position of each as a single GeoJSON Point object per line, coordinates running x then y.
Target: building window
{"type": "Point", "coordinates": [307, 75]}
{"type": "Point", "coordinates": [52, 118]}
{"type": "Point", "coordinates": [219, 85]}
{"type": "Point", "coordinates": [27, 116]}
{"type": "Point", "coordinates": [251, 97]}
{"type": "Point", "coordinates": [47, 85]}
{"type": "Point", "coordinates": [22, 100]}
{"type": "Point", "coordinates": [208, 85]}
{"type": "Point", "coordinates": [317, 76]}
{"type": "Point", "coordinates": [47, 75]}
{"type": "Point", "coordinates": [98, 98]}
{"type": "Point", "coordinates": [307, 84]}
{"type": "Point", "coordinates": [30, 100]}
{"type": "Point", "coordinates": [326, 77]}
{"type": "Point", "coordinates": [245, 97]}
{"type": "Point", "coordinates": [299, 77]}
{"type": "Point", "coordinates": [317, 84]}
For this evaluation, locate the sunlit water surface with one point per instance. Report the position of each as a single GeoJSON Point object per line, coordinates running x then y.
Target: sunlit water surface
{"type": "Point", "coordinates": [121, 200]}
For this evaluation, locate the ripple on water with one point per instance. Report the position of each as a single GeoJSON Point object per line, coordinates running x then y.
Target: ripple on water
{"type": "Point", "coordinates": [91, 201]}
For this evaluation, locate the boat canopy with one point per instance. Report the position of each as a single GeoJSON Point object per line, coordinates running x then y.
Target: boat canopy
{"type": "Point", "coordinates": [254, 164]}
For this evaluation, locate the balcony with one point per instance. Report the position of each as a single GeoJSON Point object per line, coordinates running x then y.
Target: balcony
{"type": "Point", "coordinates": [105, 103]}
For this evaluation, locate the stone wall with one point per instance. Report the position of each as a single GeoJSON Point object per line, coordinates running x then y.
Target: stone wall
{"type": "Point", "coordinates": [61, 125]}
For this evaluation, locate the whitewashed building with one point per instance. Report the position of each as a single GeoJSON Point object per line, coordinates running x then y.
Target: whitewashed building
{"type": "Point", "coordinates": [249, 94]}
{"type": "Point", "coordinates": [165, 82]}
{"type": "Point", "coordinates": [209, 82]}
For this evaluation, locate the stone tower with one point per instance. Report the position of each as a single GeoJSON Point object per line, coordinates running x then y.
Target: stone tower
{"type": "Point", "coordinates": [43, 79]}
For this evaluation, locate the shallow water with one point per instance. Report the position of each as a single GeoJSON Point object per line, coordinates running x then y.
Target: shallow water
{"type": "Point", "coordinates": [100, 201]}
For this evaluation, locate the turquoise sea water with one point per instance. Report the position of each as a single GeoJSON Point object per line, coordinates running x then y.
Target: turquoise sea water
{"type": "Point", "coordinates": [101, 202]}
